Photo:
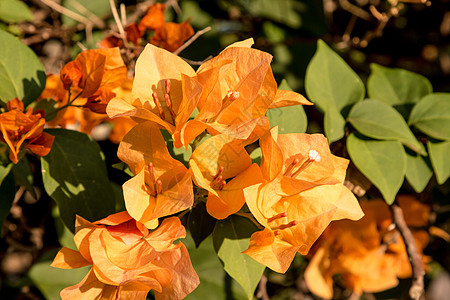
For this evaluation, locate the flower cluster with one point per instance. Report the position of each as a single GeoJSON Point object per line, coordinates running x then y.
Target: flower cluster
{"type": "Point", "coordinates": [368, 254]}
{"type": "Point", "coordinates": [218, 111]}
{"type": "Point", "coordinates": [19, 129]}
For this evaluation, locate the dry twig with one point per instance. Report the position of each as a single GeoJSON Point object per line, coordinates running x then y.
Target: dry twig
{"type": "Point", "coordinates": [417, 286]}
{"type": "Point", "coordinates": [191, 40]}
{"type": "Point", "coordinates": [262, 289]}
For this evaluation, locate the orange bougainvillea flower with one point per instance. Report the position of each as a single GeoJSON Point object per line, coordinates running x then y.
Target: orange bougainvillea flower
{"type": "Point", "coordinates": [216, 160]}
{"type": "Point", "coordinates": [154, 17]}
{"type": "Point", "coordinates": [93, 74]}
{"type": "Point", "coordinates": [300, 193]}
{"type": "Point", "coordinates": [165, 91]}
{"type": "Point", "coordinates": [172, 36]}
{"type": "Point", "coordinates": [162, 185]}
{"type": "Point", "coordinates": [128, 261]}
{"type": "Point", "coordinates": [24, 129]}
{"type": "Point", "coordinates": [238, 88]}
{"type": "Point", "coordinates": [368, 254]}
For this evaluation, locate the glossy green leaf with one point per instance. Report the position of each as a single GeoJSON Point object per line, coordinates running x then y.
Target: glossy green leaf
{"type": "Point", "coordinates": [440, 159]}
{"type": "Point", "coordinates": [382, 162]}
{"type": "Point", "coordinates": [14, 11]}
{"type": "Point", "coordinates": [330, 81]}
{"type": "Point", "coordinates": [333, 124]}
{"type": "Point", "coordinates": [431, 115]}
{"type": "Point", "coordinates": [21, 73]}
{"type": "Point", "coordinates": [230, 237]}
{"type": "Point", "coordinates": [23, 175]}
{"type": "Point", "coordinates": [49, 106]}
{"type": "Point", "coordinates": [7, 192]}
{"type": "Point", "coordinates": [74, 175]}
{"type": "Point", "coordinates": [290, 119]}
{"type": "Point", "coordinates": [200, 223]}
{"type": "Point", "coordinates": [213, 279]}
{"type": "Point", "coordinates": [378, 120]}
{"type": "Point", "coordinates": [333, 86]}
{"type": "Point", "coordinates": [51, 281]}
{"type": "Point", "coordinates": [396, 86]}
{"type": "Point", "coordinates": [418, 172]}
{"type": "Point", "coordinates": [86, 8]}
{"type": "Point", "coordinates": [4, 171]}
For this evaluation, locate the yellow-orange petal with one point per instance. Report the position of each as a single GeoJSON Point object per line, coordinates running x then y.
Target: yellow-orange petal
{"type": "Point", "coordinates": [69, 259]}
{"type": "Point", "coordinates": [288, 98]}
{"type": "Point", "coordinates": [320, 283]}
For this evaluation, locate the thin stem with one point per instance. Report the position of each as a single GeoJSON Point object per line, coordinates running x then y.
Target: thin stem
{"type": "Point", "coordinates": [197, 140]}
{"type": "Point", "coordinates": [191, 40]}
{"type": "Point", "coordinates": [417, 286]}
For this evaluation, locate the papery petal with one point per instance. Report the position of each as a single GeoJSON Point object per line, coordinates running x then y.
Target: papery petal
{"type": "Point", "coordinates": [154, 17]}
{"type": "Point", "coordinates": [163, 237]}
{"type": "Point", "coordinates": [89, 288]}
{"type": "Point", "coordinates": [42, 145]}
{"type": "Point", "coordinates": [115, 219]}
{"type": "Point", "coordinates": [231, 198]}
{"type": "Point", "coordinates": [172, 36]}
{"type": "Point", "coordinates": [285, 98]}
{"type": "Point", "coordinates": [315, 275]}
{"type": "Point", "coordinates": [184, 278]}
{"type": "Point", "coordinates": [272, 159]}
{"type": "Point", "coordinates": [270, 251]}
{"type": "Point", "coordinates": [92, 66]}
{"type": "Point", "coordinates": [69, 259]}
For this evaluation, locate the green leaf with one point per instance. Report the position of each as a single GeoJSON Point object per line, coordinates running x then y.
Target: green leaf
{"type": "Point", "coordinates": [230, 237]}
{"type": "Point", "coordinates": [74, 175]}
{"type": "Point", "coordinates": [333, 86]}
{"type": "Point", "coordinates": [396, 86]}
{"type": "Point", "coordinates": [21, 73]}
{"type": "Point", "coordinates": [440, 159]}
{"type": "Point", "coordinates": [333, 124]}
{"type": "Point", "coordinates": [51, 281]}
{"type": "Point", "coordinates": [382, 162]}
{"type": "Point", "coordinates": [86, 8]}
{"type": "Point", "coordinates": [378, 120]}
{"type": "Point", "coordinates": [14, 11]}
{"type": "Point", "coordinates": [23, 175]}
{"type": "Point", "coordinates": [200, 223]}
{"type": "Point", "coordinates": [418, 172]}
{"type": "Point", "coordinates": [290, 119]}
{"type": "Point", "coordinates": [213, 279]}
{"type": "Point", "coordinates": [4, 171]}
{"type": "Point", "coordinates": [49, 106]}
{"type": "Point", "coordinates": [256, 156]}
{"type": "Point", "coordinates": [330, 81]}
{"type": "Point", "coordinates": [431, 115]}
{"type": "Point", "coordinates": [7, 192]}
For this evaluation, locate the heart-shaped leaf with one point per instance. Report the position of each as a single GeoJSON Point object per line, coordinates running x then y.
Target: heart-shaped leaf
{"type": "Point", "coordinates": [431, 115]}
{"type": "Point", "coordinates": [440, 159]}
{"type": "Point", "coordinates": [382, 162]}
{"type": "Point", "coordinates": [396, 86]}
{"type": "Point", "coordinates": [230, 237]}
{"type": "Point", "coordinates": [418, 172]}
{"type": "Point", "coordinates": [378, 120]}
{"type": "Point", "coordinates": [21, 73]}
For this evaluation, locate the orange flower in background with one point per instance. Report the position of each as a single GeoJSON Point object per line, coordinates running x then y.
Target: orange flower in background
{"type": "Point", "coordinates": [154, 17]}
{"type": "Point", "coordinates": [238, 88]}
{"type": "Point", "coordinates": [368, 254]}
{"type": "Point", "coordinates": [216, 160]}
{"type": "Point", "coordinates": [128, 261]}
{"type": "Point", "coordinates": [162, 185]}
{"type": "Point", "coordinates": [93, 74]}
{"type": "Point", "coordinates": [24, 129]}
{"type": "Point", "coordinates": [300, 193]}
{"type": "Point", "coordinates": [165, 91]}
{"type": "Point", "coordinates": [172, 36]}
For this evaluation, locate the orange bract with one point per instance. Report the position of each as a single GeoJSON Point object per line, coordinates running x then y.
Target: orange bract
{"type": "Point", "coordinates": [368, 254]}
{"type": "Point", "coordinates": [300, 193]}
{"type": "Point", "coordinates": [162, 185]}
{"type": "Point", "coordinates": [128, 261]}
{"type": "Point", "coordinates": [216, 160]}
{"type": "Point", "coordinates": [165, 91]}
{"type": "Point", "coordinates": [24, 129]}
{"type": "Point", "coordinates": [172, 36]}
{"type": "Point", "coordinates": [238, 88]}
